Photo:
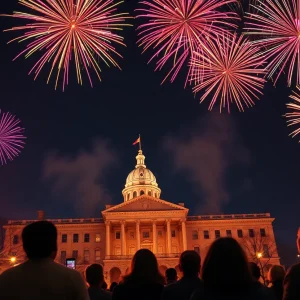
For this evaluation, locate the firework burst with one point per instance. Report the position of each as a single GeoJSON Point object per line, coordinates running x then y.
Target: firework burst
{"type": "Point", "coordinates": [11, 137]}
{"type": "Point", "coordinates": [175, 28]}
{"type": "Point", "coordinates": [230, 69]}
{"type": "Point", "coordinates": [65, 30]}
{"type": "Point", "coordinates": [276, 27]}
{"type": "Point", "coordinates": [293, 116]}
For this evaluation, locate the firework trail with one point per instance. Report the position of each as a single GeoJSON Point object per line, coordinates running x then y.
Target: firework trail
{"type": "Point", "coordinates": [64, 30]}
{"type": "Point", "coordinates": [276, 28]}
{"type": "Point", "coordinates": [11, 137]}
{"type": "Point", "coordinates": [175, 28]}
{"type": "Point", "coordinates": [293, 116]}
{"type": "Point", "coordinates": [231, 71]}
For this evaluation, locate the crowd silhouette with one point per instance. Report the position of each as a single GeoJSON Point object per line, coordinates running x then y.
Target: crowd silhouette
{"type": "Point", "coordinates": [225, 274]}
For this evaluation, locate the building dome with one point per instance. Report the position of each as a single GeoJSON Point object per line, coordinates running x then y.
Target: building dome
{"type": "Point", "coordinates": [140, 181]}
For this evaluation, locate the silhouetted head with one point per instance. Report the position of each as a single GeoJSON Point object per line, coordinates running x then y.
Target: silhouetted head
{"type": "Point", "coordinates": [171, 274]}
{"type": "Point", "coordinates": [112, 286]}
{"type": "Point", "coordinates": [40, 240]}
{"type": "Point", "coordinates": [254, 270]}
{"type": "Point", "coordinates": [225, 267]}
{"type": "Point", "coordinates": [104, 285]}
{"type": "Point", "coordinates": [276, 273]}
{"type": "Point", "coordinates": [144, 267]}
{"type": "Point", "coordinates": [94, 275]}
{"type": "Point", "coordinates": [189, 263]}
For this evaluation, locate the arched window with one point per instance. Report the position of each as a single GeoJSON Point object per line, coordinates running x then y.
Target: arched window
{"type": "Point", "coordinates": [142, 193]}
{"type": "Point", "coordinates": [134, 194]}
{"type": "Point", "coordinates": [128, 196]}
{"type": "Point", "coordinates": [149, 193]}
{"type": "Point", "coordinates": [155, 195]}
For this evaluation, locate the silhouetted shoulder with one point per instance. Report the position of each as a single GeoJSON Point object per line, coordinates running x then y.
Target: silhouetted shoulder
{"type": "Point", "coordinates": [137, 290]}
{"type": "Point", "coordinates": [34, 278]}
{"type": "Point", "coordinates": [292, 283]}
{"type": "Point", "coordinates": [182, 289]}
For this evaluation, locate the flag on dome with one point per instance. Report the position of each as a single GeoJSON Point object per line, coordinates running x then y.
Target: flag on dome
{"type": "Point", "coordinates": [137, 141]}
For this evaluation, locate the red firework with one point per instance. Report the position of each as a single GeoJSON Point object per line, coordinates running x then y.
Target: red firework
{"type": "Point", "coordinates": [175, 28]}
{"type": "Point", "coordinates": [230, 69]}
{"type": "Point", "coordinates": [11, 137]}
{"type": "Point", "coordinates": [66, 30]}
{"type": "Point", "coordinates": [276, 27]}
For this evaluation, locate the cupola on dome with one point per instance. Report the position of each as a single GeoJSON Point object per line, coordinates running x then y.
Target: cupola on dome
{"type": "Point", "coordinates": [140, 181]}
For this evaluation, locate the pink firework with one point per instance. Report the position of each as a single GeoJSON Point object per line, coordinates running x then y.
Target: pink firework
{"type": "Point", "coordinates": [293, 115]}
{"type": "Point", "coordinates": [60, 31]}
{"type": "Point", "coordinates": [276, 27]}
{"type": "Point", "coordinates": [230, 70]}
{"type": "Point", "coordinates": [175, 28]}
{"type": "Point", "coordinates": [11, 137]}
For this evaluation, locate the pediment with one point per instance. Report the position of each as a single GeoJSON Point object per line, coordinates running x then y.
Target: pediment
{"type": "Point", "coordinates": [145, 203]}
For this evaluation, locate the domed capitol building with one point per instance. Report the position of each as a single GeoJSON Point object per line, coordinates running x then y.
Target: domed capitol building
{"type": "Point", "coordinates": [144, 220]}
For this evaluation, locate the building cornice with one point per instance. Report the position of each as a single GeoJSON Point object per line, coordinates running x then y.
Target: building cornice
{"type": "Point", "coordinates": [232, 221]}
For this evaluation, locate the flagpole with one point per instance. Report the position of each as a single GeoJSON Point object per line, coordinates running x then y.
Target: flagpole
{"type": "Point", "coordinates": [140, 142]}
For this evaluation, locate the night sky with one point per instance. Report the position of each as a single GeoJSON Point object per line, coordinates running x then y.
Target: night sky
{"type": "Point", "coordinates": [79, 143]}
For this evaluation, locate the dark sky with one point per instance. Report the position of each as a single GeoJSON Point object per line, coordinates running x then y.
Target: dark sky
{"type": "Point", "coordinates": [79, 151]}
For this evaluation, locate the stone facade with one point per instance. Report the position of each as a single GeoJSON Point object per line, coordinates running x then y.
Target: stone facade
{"type": "Point", "coordinates": [146, 221]}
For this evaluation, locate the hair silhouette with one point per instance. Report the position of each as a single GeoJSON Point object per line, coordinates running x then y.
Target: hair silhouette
{"type": "Point", "coordinates": [144, 267]}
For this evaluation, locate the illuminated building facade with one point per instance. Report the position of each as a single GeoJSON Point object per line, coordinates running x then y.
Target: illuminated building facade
{"type": "Point", "coordinates": [143, 220]}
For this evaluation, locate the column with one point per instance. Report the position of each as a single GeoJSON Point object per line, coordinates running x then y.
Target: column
{"type": "Point", "coordinates": [184, 241]}
{"type": "Point", "coordinates": [107, 224]}
{"type": "Point", "coordinates": [154, 237]}
{"type": "Point", "coordinates": [138, 237]}
{"type": "Point", "coordinates": [169, 236]}
{"type": "Point", "coordinates": [123, 237]}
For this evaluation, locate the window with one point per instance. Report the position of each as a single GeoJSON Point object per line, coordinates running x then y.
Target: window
{"type": "Point", "coordinates": [155, 195]}
{"type": "Point", "coordinates": [131, 235]}
{"type": "Point", "coordinates": [128, 196]}
{"type": "Point", "coordinates": [118, 235]}
{"type": "Point", "coordinates": [146, 234]}
{"type": "Point", "coordinates": [159, 233]}
{"type": "Point", "coordinates": [64, 238]}
{"type": "Point", "coordinates": [173, 233]}
{"type": "Point", "coordinates": [75, 254]}
{"type": "Point", "coordinates": [97, 255]}
{"type": "Point", "coordinates": [98, 238]}
{"type": "Point", "coordinates": [217, 234]}
{"type": "Point", "coordinates": [86, 256]}
{"type": "Point", "coordinates": [16, 239]}
{"type": "Point", "coordinates": [228, 233]}
{"type": "Point", "coordinates": [240, 233]}
{"type": "Point", "coordinates": [149, 193]}
{"type": "Point", "coordinates": [197, 249]}
{"type": "Point", "coordinates": [75, 238]}
{"type": "Point", "coordinates": [134, 194]}
{"type": "Point", "coordinates": [195, 234]}
{"type": "Point", "coordinates": [63, 256]}
{"type": "Point", "coordinates": [142, 193]}
{"type": "Point", "coordinates": [251, 233]}
{"type": "Point", "coordinates": [86, 237]}
{"type": "Point", "coordinates": [266, 250]}
{"type": "Point", "coordinates": [206, 234]}
{"type": "Point", "coordinates": [262, 232]}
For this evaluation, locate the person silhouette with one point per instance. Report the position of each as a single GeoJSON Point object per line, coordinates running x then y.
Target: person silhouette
{"type": "Point", "coordinates": [40, 277]}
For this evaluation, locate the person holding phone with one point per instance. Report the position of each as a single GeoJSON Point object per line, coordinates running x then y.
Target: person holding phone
{"type": "Point", "coordinates": [40, 278]}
